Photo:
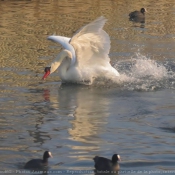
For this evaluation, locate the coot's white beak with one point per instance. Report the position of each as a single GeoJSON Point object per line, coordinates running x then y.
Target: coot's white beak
{"type": "Point", "coordinates": [119, 158]}
{"type": "Point", "coordinates": [50, 154]}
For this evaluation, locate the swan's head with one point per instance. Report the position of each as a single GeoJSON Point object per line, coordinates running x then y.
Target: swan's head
{"type": "Point", "coordinates": [47, 72]}
{"type": "Point", "coordinates": [65, 54]}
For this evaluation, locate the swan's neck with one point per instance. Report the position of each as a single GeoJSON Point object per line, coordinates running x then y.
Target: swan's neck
{"type": "Point", "coordinates": [64, 56]}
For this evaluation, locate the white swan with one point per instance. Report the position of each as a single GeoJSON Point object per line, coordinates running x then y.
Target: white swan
{"type": "Point", "coordinates": [85, 56]}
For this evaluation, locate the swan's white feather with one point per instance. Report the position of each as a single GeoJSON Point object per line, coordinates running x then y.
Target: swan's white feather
{"type": "Point", "coordinates": [92, 43]}
{"type": "Point", "coordinates": [64, 41]}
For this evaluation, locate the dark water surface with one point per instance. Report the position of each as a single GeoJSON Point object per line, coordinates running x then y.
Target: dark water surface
{"type": "Point", "coordinates": [134, 118]}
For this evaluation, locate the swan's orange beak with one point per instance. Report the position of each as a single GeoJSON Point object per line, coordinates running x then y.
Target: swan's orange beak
{"type": "Point", "coordinates": [47, 72]}
{"type": "Point", "coordinates": [46, 75]}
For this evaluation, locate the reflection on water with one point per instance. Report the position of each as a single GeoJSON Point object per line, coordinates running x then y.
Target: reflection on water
{"type": "Point", "coordinates": [89, 114]}
{"type": "Point", "coordinates": [134, 118]}
{"type": "Point", "coordinates": [172, 130]}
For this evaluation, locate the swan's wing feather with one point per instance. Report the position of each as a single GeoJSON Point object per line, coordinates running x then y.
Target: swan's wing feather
{"type": "Point", "coordinates": [64, 41]}
{"type": "Point", "coordinates": [92, 27]}
{"type": "Point", "coordinates": [92, 43]}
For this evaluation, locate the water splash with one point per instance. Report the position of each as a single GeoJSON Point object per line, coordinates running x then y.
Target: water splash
{"type": "Point", "coordinates": [141, 73]}
{"type": "Point", "coordinates": [145, 67]}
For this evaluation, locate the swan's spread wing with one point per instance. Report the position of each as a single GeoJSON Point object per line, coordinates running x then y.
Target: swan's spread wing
{"type": "Point", "coordinates": [64, 41]}
{"type": "Point", "coordinates": [92, 43]}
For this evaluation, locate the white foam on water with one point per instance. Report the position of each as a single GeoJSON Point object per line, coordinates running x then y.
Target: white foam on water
{"type": "Point", "coordinates": [140, 73]}
{"type": "Point", "coordinates": [144, 67]}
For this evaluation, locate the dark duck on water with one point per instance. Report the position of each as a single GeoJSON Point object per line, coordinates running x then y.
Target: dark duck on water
{"type": "Point", "coordinates": [38, 163]}
{"type": "Point", "coordinates": [104, 164]}
{"type": "Point", "coordinates": [138, 16]}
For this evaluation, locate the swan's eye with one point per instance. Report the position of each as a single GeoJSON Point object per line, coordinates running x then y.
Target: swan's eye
{"type": "Point", "coordinates": [47, 69]}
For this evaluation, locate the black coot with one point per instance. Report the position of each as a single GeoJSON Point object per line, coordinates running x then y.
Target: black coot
{"type": "Point", "coordinates": [138, 16]}
{"type": "Point", "coordinates": [104, 164]}
{"type": "Point", "coordinates": [38, 163]}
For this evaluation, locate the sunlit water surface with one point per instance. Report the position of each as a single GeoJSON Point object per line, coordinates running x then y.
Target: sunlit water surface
{"type": "Point", "coordinates": [132, 116]}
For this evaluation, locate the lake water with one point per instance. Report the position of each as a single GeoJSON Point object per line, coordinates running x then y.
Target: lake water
{"type": "Point", "coordinates": [134, 117]}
